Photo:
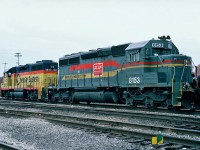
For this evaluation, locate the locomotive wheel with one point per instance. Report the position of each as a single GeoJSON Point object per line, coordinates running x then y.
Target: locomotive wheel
{"type": "Point", "coordinates": [133, 105]}
{"type": "Point", "coordinates": [76, 102]}
{"type": "Point", "coordinates": [88, 103]}
{"type": "Point", "coordinates": [61, 100]}
{"type": "Point", "coordinates": [30, 99]}
{"type": "Point", "coordinates": [65, 100]}
{"type": "Point", "coordinates": [154, 106]}
{"type": "Point", "coordinates": [7, 97]}
{"type": "Point", "coordinates": [54, 100]}
{"type": "Point", "coordinates": [192, 109]}
{"type": "Point", "coordinates": [147, 106]}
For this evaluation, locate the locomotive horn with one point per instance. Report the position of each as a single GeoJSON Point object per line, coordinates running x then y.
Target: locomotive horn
{"type": "Point", "coordinates": [162, 37]}
{"type": "Point", "coordinates": [168, 37]}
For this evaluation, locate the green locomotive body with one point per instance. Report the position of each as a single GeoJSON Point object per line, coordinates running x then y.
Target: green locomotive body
{"type": "Point", "coordinates": [151, 72]}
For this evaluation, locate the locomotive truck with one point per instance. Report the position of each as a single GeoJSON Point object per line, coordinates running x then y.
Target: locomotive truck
{"type": "Point", "coordinates": [152, 73]}
{"type": "Point", "coordinates": [29, 81]}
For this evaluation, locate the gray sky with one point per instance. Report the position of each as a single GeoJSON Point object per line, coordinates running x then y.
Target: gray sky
{"type": "Point", "coordinates": [49, 29]}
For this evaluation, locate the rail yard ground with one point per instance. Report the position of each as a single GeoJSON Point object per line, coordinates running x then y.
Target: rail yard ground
{"type": "Point", "coordinates": [33, 133]}
{"type": "Point", "coordinates": [27, 125]}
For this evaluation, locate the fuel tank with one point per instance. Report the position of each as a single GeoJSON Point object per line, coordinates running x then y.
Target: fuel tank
{"type": "Point", "coordinates": [17, 94]}
{"type": "Point", "coordinates": [96, 96]}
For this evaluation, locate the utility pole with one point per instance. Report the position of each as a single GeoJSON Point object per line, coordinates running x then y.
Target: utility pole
{"type": "Point", "coordinates": [18, 55]}
{"type": "Point", "coordinates": [5, 65]}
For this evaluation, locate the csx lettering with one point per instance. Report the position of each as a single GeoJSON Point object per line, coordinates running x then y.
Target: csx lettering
{"type": "Point", "coordinates": [134, 80]}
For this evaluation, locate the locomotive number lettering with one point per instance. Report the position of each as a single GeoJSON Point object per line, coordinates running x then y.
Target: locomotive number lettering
{"type": "Point", "coordinates": [134, 80]}
{"type": "Point", "coordinates": [157, 45]}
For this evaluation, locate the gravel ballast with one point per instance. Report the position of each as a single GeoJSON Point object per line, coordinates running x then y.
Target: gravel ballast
{"type": "Point", "coordinates": [34, 133]}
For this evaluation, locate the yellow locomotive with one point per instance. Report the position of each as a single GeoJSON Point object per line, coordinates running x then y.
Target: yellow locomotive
{"type": "Point", "coordinates": [29, 81]}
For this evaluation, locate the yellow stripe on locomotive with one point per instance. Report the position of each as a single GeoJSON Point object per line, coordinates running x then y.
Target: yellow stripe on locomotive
{"type": "Point", "coordinates": [29, 81]}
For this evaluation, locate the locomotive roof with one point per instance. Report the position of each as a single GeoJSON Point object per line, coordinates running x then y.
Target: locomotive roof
{"type": "Point", "coordinates": [156, 44]}
{"type": "Point", "coordinates": [119, 49]}
{"type": "Point", "coordinates": [26, 66]}
{"type": "Point", "coordinates": [137, 45]}
{"type": "Point", "coordinates": [37, 62]}
{"type": "Point", "coordinates": [104, 50]}
{"type": "Point", "coordinates": [13, 69]}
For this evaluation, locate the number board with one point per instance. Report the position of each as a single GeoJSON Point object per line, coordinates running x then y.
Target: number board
{"type": "Point", "coordinates": [157, 45]}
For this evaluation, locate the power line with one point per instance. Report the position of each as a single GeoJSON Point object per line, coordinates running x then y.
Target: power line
{"type": "Point", "coordinates": [5, 65]}
{"type": "Point", "coordinates": [18, 55]}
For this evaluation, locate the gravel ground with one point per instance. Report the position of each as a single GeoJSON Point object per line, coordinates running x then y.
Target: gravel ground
{"type": "Point", "coordinates": [33, 134]}
{"type": "Point", "coordinates": [96, 116]}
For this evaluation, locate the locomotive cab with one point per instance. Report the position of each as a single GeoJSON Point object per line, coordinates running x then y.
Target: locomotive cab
{"type": "Point", "coordinates": [159, 75]}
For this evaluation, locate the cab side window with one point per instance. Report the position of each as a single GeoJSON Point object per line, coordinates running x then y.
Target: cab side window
{"type": "Point", "coordinates": [134, 57]}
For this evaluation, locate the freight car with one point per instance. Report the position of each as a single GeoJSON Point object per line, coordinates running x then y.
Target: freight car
{"type": "Point", "coordinates": [29, 81]}
{"type": "Point", "coordinates": [150, 72]}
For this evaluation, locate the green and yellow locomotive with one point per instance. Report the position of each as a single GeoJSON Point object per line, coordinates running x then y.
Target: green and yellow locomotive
{"type": "Point", "coordinates": [29, 81]}
{"type": "Point", "coordinates": [151, 72]}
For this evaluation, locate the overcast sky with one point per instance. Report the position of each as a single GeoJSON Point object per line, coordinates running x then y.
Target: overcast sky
{"type": "Point", "coordinates": [49, 29]}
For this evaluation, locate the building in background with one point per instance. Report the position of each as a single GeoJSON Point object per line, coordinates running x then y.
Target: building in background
{"type": "Point", "coordinates": [1, 81]}
{"type": "Point", "coordinates": [198, 70]}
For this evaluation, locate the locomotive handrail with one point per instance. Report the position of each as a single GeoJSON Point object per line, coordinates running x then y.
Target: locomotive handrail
{"type": "Point", "coordinates": [173, 79]}
{"type": "Point", "coordinates": [182, 72]}
{"type": "Point", "coordinates": [181, 92]}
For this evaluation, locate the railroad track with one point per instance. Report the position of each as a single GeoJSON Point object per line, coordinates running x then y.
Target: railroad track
{"type": "Point", "coordinates": [189, 121]}
{"type": "Point", "coordinates": [110, 106]}
{"type": "Point", "coordinates": [4, 146]}
{"type": "Point", "coordinates": [110, 112]}
{"type": "Point", "coordinates": [117, 128]}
